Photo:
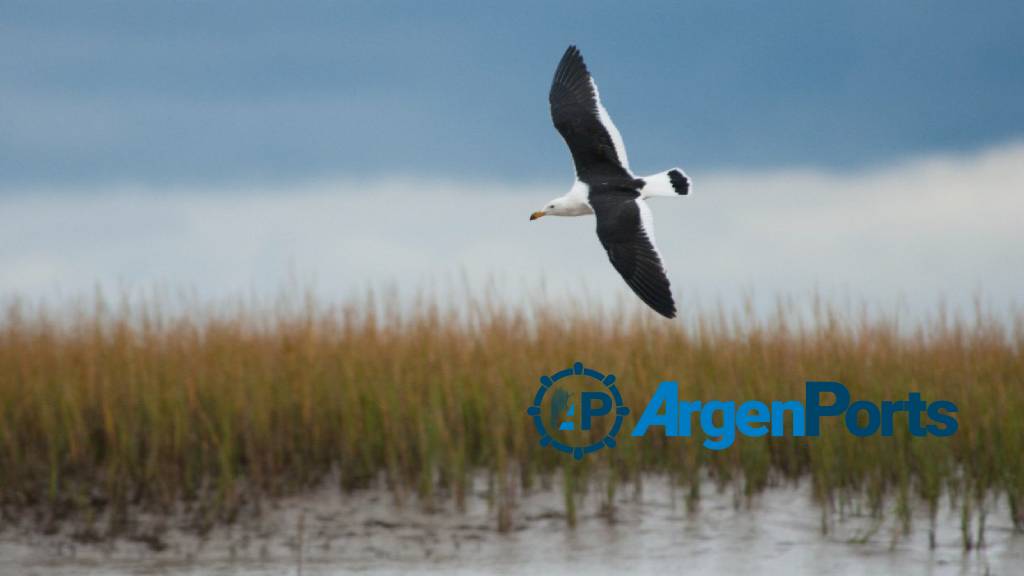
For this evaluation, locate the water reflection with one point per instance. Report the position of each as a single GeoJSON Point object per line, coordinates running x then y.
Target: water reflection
{"type": "Point", "coordinates": [780, 531]}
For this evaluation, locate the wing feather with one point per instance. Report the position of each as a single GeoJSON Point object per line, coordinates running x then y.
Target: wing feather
{"type": "Point", "coordinates": [626, 230]}
{"type": "Point", "coordinates": [595, 143]}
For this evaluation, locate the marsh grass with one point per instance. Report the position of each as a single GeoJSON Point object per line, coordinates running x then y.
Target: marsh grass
{"type": "Point", "coordinates": [111, 410]}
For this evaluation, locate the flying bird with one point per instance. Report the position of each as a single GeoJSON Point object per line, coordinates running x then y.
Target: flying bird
{"type": "Point", "coordinates": [605, 186]}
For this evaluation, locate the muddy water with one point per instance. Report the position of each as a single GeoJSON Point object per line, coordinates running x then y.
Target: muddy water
{"type": "Point", "coordinates": [780, 531]}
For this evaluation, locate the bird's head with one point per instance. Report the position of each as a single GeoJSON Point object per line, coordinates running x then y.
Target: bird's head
{"type": "Point", "coordinates": [549, 208]}
{"type": "Point", "coordinates": [562, 206]}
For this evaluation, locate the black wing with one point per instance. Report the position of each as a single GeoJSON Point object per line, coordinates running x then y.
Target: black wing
{"type": "Point", "coordinates": [594, 142]}
{"type": "Point", "coordinates": [622, 231]}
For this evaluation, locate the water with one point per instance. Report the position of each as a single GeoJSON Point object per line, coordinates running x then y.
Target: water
{"type": "Point", "coordinates": [779, 531]}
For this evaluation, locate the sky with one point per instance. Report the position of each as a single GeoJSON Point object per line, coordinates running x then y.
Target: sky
{"type": "Point", "coordinates": [864, 148]}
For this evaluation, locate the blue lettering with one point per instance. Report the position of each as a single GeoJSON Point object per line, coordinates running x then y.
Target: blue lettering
{"type": "Point", "coordinates": [914, 407]}
{"type": "Point", "coordinates": [588, 410]}
{"type": "Point", "coordinates": [750, 417]}
{"type": "Point", "coordinates": [815, 410]}
{"type": "Point", "coordinates": [725, 434]}
{"type": "Point", "coordinates": [779, 410]}
{"type": "Point", "coordinates": [667, 396]}
{"type": "Point", "coordinates": [949, 423]}
{"type": "Point", "coordinates": [852, 423]}
{"type": "Point", "coordinates": [686, 411]}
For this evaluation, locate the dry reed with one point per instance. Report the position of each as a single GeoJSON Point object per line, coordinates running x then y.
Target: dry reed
{"type": "Point", "coordinates": [112, 410]}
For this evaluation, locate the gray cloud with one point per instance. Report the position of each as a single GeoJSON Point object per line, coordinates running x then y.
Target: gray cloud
{"type": "Point", "coordinates": [938, 228]}
{"type": "Point", "coordinates": [173, 93]}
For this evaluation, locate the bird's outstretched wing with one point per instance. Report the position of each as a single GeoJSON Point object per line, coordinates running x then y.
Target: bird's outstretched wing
{"type": "Point", "coordinates": [626, 230]}
{"type": "Point", "coordinates": [594, 141]}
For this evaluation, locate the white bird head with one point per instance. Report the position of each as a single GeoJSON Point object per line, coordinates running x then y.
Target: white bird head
{"type": "Point", "coordinates": [567, 205]}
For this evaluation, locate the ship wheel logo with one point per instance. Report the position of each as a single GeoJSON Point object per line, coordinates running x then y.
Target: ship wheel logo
{"type": "Point", "coordinates": [574, 406]}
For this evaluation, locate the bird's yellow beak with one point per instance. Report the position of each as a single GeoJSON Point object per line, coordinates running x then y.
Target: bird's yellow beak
{"type": "Point", "coordinates": [536, 215]}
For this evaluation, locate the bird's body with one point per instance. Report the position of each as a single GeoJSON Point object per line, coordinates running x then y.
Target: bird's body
{"type": "Point", "coordinates": [606, 187]}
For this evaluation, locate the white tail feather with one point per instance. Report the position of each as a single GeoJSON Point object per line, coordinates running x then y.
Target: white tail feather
{"type": "Point", "coordinates": [672, 182]}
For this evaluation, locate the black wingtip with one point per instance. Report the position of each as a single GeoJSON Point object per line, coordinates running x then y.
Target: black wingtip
{"type": "Point", "coordinates": [668, 311]}
{"type": "Point", "coordinates": [571, 68]}
{"type": "Point", "coordinates": [680, 182]}
{"type": "Point", "coordinates": [658, 299]}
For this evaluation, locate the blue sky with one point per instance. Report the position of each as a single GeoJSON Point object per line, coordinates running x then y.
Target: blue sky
{"type": "Point", "coordinates": [865, 150]}
{"type": "Point", "coordinates": [170, 93]}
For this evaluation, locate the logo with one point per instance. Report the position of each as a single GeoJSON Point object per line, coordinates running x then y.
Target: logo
{"type": "Point", "coordinates": [580, 410]}
{"type": "Point", "coordinates": [577, 410]}
{"type": "Point", "coordinates": [755, 418]}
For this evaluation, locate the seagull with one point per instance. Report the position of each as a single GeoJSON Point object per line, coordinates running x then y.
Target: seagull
{"type": "Point", "coordinates": [605, 186]}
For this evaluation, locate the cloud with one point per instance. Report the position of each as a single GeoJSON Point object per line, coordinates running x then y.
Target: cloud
{"type": "Point", "coordinates": [941, 228]}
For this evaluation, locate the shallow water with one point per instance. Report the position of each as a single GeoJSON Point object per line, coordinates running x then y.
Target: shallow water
{"type": "Point", "coordinates": [653, 532]}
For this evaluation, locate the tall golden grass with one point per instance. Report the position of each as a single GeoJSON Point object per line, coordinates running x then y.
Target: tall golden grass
{"type": "Point", "coordinates": [132, 407]}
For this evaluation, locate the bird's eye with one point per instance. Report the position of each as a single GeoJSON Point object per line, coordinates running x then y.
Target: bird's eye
{"type": "Point", "coordinates": [551, 206]}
